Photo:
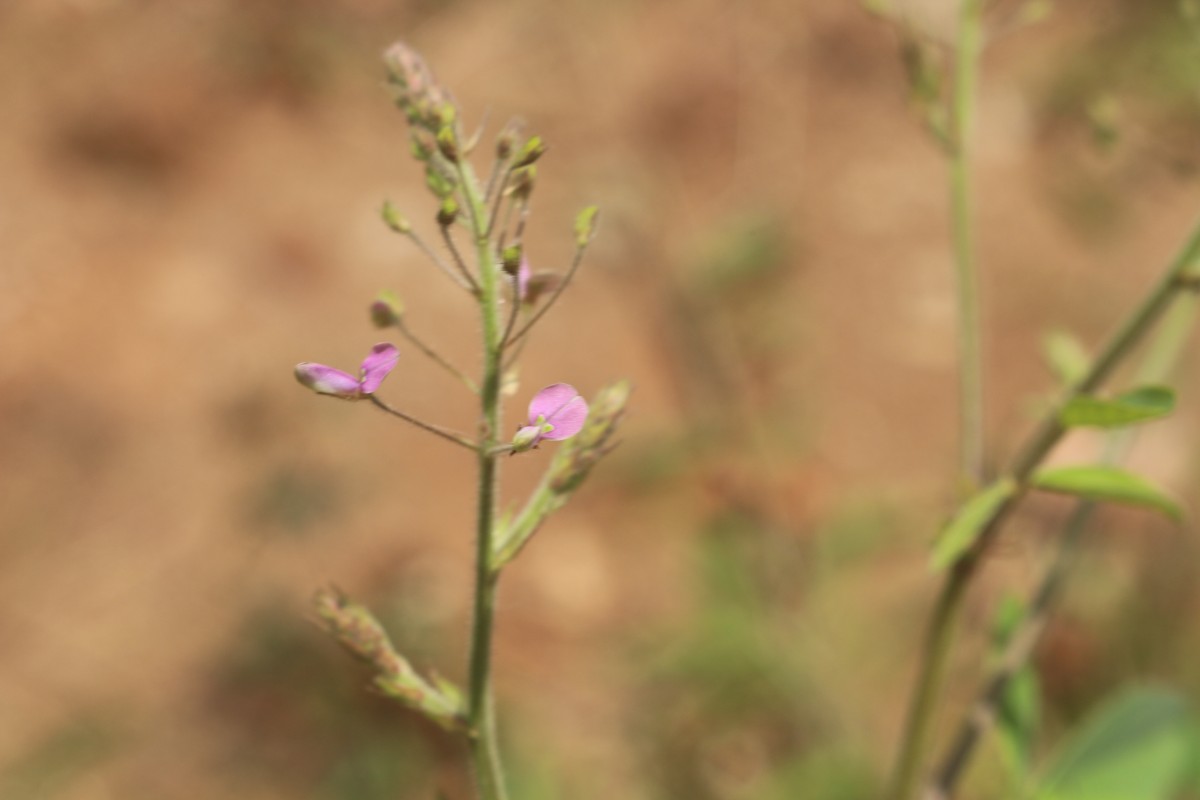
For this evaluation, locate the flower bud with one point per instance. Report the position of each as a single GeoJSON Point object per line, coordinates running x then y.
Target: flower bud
{"type": "Point", "coordinates": [510, 260]}
{"type": "Point", "coordinates": [394, 219]}
{"type": "Point", "coordinates": [506, 140]}
{"type": "Point", "coordinates": [439, 179]}
{"type": "Point", "coordinates": [522, 183]}
{"type": "Point", "coordinates": [585, 225]}
{"type": "Point", "coordinates": [421, 149]}
{"type": "Point", "coordinates": [447, 144]}
{"type": "Point", "coordinates": [531, 152]}
{"type": "Point", "coordinates": [526, 438]}
{"type": "Point", "coordinates": [448, 212]}
{"type": "Point", "coordinates": [387, 310]}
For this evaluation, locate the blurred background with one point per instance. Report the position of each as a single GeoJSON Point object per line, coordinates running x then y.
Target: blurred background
{"type": "Point", "coordinates": [732, 606]}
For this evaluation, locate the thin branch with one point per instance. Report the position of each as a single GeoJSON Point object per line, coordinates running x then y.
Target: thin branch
{"type": "Point", "coordinates": [458, 261]}
{"type": "Point", "coordinates": [522, 218]}
{"type": "Point", "coordinates": [434, 355]}
{"type": "Point", "coordinates": [437, 430]}
{"type": "Point", "coordinates": [498, 167]}
{"type": "Point", "coordinates": [558, 290]}
{"type": "Point", "coordinates": [512, 314]}
{"type": "Point", "coordinates": [499, 199]}
{"type": "Point", "coordinates": [438, 262]}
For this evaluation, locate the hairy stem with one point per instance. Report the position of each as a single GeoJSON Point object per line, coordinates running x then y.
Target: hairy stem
{"type": "Point", "coordinates": [485, 754]}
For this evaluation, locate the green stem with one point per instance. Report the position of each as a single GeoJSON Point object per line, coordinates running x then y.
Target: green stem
{"type": "Point", "coordinates": [940, 635]}
{"type": "Point", "coordinates": [936, 649]}
{"type": "Point", "coordinates": [485, 754]}
{"type": "Point", "coordinates": [434, 355]}
{"type": "Point", "coordinates": [970, 356]}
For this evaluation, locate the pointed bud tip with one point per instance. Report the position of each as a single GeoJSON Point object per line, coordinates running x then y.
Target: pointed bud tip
{"type": "Point", "coordinates": [393, 218]}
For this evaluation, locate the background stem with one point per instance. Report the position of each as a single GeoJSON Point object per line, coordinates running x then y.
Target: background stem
{"type": "Point", "coordinates": [914, 742]}
{"type": "Point", "coordinates": [970, 349]}
{"type": "Point", "coordinates": [1039, 444]}
{"type": "Point", "coordinates": [1157, 364]}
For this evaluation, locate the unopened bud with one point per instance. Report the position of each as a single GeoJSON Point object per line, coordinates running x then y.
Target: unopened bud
{"type": "Point", "coordinates": [440, 182]}
{"type": "Point", "coordinates": [394, 219]}
{"type": "Point", "coordinates": [506, 140]}
{"type": "Point", "coordinates": [420, 148]}
{"type": "Point", "coordinates": [526, 438]}
{"type": "Point", "coordinates": [447, 144]}
{"type": "Point", "coordinates": [387, 310]}
{"type": "Point", "coordinates": [531, 152]}
{"type": "Point", "coordinates": [510, 260]}
{"type": "Point", "coordinates": [585, 226]}
{"type": "Point", "coordinates": [523, 181]}
{"type": "Point", "coordinates": [448, 212]}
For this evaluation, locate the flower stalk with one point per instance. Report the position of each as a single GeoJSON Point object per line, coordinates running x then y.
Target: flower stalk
{"type": "Point", "coordinates": [557, 412]}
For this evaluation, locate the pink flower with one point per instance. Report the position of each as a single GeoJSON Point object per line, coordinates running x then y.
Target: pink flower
{"type": "Point", "coordinates": [327, 380]}
{"type": "Point", "coordinates": [532, 286]}
{"type": "Point", "coordinates": [556, 412]}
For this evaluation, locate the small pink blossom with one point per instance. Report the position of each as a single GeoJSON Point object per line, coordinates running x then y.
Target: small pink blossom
{"type": "Point", "coordinates": [327, 380]}
{"type": "Point", "coordinates": [533, 286]}
{"type": "Point", "coordinates": [556, 412]}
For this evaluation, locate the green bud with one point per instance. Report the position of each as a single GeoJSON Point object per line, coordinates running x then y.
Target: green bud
{"type": "Point", "coordinates": [585, 225]}
{"type": "Point", "coordinates": [525, 439]}
{"type": "Point", "coordinates": [420, 148]}
{"type": "Point", "coordinates": [531, 152]}
{"type": "Point", "coordinates": [387, 310]}
{"type": "Point", "coordinates": [506, 140]}
{"type": "Point", "coordinates": [448, 212]}
{"type": "Point", "coordinates": [445, 114]}
{"type": "Point", "coordinates": [522, 182]}
{"type": "Point", "coordinates": [439, 182]}
{"type": "Point", "coordinates": [510, 259]}
{"type": "Point", "coordinates": [447, 144]}
{"type": "Point", "coordinates": [394, 219]}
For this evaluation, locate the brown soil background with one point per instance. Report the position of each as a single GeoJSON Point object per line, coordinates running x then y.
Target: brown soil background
{"type": "Point", "coordinates": [189, 199]}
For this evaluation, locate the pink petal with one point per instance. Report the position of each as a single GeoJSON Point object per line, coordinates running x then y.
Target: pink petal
{"type": "Point", "coordinates": [377, 365]}
{"type": "Point", "coordinates": [549, 400]}
{"type": "Point", "coordinates": [568, 420]}
{"type": "Point", "coordinates": [327, 380]}
{"type": "Point", "coordinates": [524, 273]}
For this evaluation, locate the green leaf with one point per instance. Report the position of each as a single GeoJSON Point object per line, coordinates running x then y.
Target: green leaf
{"type": "Point", "coordinates": [1136, 747]}
{"type": "Point", "coordinates": [1106, 483]}
{"type": "Point", "coordinates": [1066, 356]}
{"type": "Point", "coordinates": [1018, 714]}
{"type": "Point", "coordinates": [965, 527]}
{"type": "Point", "coordinates": [1141, 404]}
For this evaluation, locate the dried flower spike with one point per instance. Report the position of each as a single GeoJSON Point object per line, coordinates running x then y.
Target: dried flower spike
{"type": "Point", "coordinates": [556, 412]}
{"type": "Point", "coordinates": [327, 380]}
